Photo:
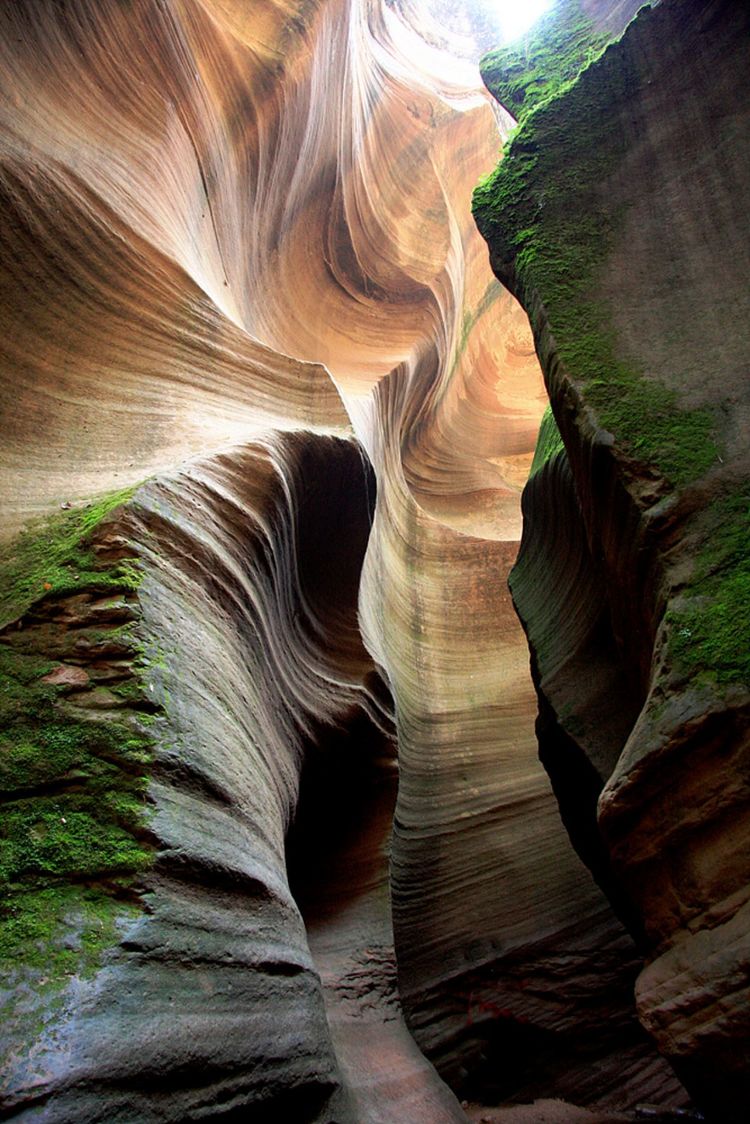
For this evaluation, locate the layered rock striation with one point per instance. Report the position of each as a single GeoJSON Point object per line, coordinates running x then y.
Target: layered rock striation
{"type": "Point", "coordinates": [240, 278]}
{"type": "Point", "coordinates": [615, 218]}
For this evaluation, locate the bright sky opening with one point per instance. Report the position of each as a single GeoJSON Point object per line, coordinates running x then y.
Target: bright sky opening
{"type": "Point", "coordinates": [517, 16]}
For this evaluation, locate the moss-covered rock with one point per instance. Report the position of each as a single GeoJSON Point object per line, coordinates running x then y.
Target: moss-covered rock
{"type": "Point", "coordinates": [550, 228]}
{"type": "Point", "coordinates": [526, 73]}
{"type": "Point", "coordinates": [549, 442]}
{"type": "Point", "coordinates": [616, 218]}
{"type": "Point", "coordinates": [55, 558]}
{"type": "Point", "coordinates": [73, 778]}
{"type": "Point", "coordinates": [709, 629]}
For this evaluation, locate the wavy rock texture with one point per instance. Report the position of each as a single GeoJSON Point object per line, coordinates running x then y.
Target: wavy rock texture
{"type": "Point", "coordinates": [237, 255]}
{"type": "Point", "coordinates": [632, 579]}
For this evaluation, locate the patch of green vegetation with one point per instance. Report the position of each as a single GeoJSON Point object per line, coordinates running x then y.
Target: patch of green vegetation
{"type": "Point", "coordinates": [48, 936]}
{"type": "Point", "coordinates": [73, 836]}
{"type": "Point", "coordinates": [550, 227]}
{"type": "Point", "coordinates": [549, 442]}
{"type": "Point", "coordinates": [132, 691]}
{"type": "Point", "coordinates": [41, 743]}
{"type": "Point", "coordinates": [713, 630]}
{"type": "Point", "coordinates": [73, 790]}
{"type": "Point", "coordinates": [36, 932]}
{"type": "Point", "coordinates": [54, 558]}
{"type": "Point", "coordinates": [524, 74]}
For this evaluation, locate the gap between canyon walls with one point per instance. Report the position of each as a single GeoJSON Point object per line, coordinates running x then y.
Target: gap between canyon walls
{"type": "Point", "coordinates": [165, 255]}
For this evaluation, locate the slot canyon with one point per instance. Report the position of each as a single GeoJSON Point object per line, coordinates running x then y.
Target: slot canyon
{"type": "Point", "coordinates": [374, 562]}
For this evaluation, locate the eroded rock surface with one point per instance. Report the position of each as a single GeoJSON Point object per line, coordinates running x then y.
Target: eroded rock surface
{"type": "Point", "coordinates": [237, 257]}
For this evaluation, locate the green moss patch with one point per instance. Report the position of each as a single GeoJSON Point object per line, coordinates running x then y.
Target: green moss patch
{"type": "Point", "coordinates": [54, 558]}
{"type": "Point", "coordinates": [73, 831]}
{"type": "Point", "coordinates": [525, 74]}
{"type": "Point", "coordinates": [549, 443]}
{"type": "Point", "coordinates": [61, 930]}
{"type": "Point", "coordinates": [550, 225]}
{"type": "Point", "coordinates": [73, 798]}
{"type": "Point", "coordinates": [47, 937]}
{"type": "Point", "coordinates": [712, 631]}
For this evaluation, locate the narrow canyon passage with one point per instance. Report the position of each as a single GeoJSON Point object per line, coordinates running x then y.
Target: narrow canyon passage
{"type": "Point", "coordinates": [338, 861]}
{"type": "Point", "coordinates": [257, 372]}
